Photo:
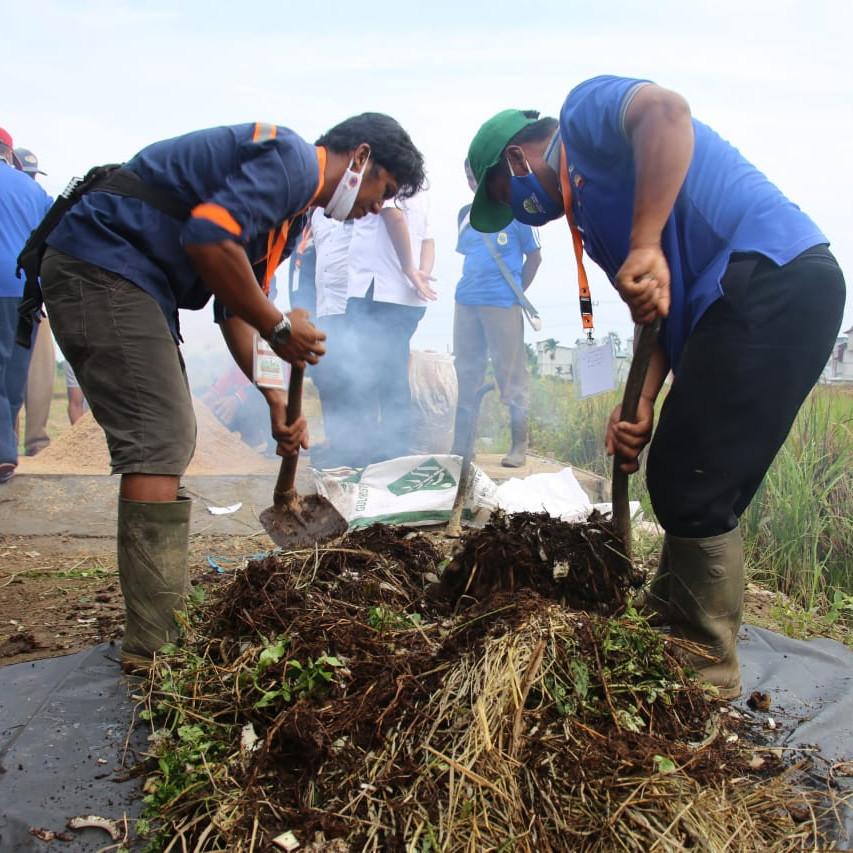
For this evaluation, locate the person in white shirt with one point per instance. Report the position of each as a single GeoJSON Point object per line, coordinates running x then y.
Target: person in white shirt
{"type": "Point", "coordinates": [391, 257]}
{"type": "Point", "coordinates": [330, 375]}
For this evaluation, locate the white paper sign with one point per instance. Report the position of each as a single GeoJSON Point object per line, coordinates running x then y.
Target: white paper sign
{"type": "Point", "coordinates": [594, 369]}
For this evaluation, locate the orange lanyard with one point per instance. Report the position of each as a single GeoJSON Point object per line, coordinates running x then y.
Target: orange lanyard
{"type": "Point", "coordinates": [306, 236]}
{"type": "Point", "coordinates": [577, 242]}
{"type": "Point", "coordinates": [275, 248]}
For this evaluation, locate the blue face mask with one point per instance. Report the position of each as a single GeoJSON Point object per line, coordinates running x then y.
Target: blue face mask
{"type": "Point", "coordinates": [530, 202]}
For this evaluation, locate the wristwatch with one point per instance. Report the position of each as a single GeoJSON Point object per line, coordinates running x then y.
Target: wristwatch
{"type": "Point", "coordinates": [280, 333]}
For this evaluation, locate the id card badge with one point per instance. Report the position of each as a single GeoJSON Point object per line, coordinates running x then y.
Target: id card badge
{"type": "Point", "coordinates": [269, 370]}
{"type": "Point", "coordinates": [594, 366]}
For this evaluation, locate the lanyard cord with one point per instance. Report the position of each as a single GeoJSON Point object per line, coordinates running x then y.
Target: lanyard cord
{"type": "Point", "coordinates": [577, 241]}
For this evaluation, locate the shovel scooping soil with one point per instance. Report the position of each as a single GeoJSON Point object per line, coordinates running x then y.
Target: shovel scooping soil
{"type": "Point", "coordinates": [293, 520]}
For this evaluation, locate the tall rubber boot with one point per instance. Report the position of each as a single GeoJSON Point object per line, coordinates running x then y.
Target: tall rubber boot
{"type": "Point", "coordinates": [518, 425]}
{"type": "Point", "coordinates": [461, 431]}
{"type": "Point", "coordinates": [153, 540]}
{"type": "Point", "coordinates": [706, 599]}
{"type": "Point", "coordinates": [653, 600]}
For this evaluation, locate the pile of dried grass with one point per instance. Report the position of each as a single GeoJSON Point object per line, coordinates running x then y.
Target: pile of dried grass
{"type": "Point", "coordinates": [325, 695]}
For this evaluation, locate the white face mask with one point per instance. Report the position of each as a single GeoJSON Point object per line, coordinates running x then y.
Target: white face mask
{"type": "Point", "coordinates": [343, 198]}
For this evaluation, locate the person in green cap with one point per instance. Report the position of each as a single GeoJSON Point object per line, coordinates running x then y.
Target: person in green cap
{"type": "Point", "coordinates": [750, 297]}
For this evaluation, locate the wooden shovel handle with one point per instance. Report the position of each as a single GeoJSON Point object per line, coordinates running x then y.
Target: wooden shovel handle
{"type": "Point", "coordinates": [454, 525]}
{"type": "Point", "coordinates": [630, 401]}
{"type": "Point", "coordinates": [282, 493]}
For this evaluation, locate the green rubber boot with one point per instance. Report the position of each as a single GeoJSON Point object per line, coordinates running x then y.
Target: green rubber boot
{"type": "Point", "coordinates": [653, 600]}
{"type": "Point", "coordinates": [518, 426]}
{"type": "Point", "coordinates": [153, 540]}
{"type": "Point", "coordinates": [706, 599]}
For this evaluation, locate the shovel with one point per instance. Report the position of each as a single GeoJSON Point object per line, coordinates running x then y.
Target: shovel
{"type": "Point", "coordinates": [295, 521]}
{"type": "Point", "coordinates": [630, 400]}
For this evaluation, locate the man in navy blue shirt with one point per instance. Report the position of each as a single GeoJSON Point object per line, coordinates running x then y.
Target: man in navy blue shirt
{"type": "Point", "coordinates": [751, 299]}
{"type": "Point", "coordinates": [117, 269]}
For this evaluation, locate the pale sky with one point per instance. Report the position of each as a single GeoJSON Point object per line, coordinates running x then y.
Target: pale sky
{"type": "Point", "coordinates": [92, 81]}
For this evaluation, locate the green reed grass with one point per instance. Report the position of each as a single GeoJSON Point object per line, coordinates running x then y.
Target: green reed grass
{"type": "Point", "coordinates": [799, 527]}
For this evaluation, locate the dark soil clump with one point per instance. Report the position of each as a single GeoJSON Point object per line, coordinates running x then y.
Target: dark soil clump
{"type": "Point", "coordinates": [581, 565]}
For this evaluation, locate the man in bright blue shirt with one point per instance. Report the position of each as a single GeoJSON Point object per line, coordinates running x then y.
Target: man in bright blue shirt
{"type": "Point", "coordinates": [221, 209]}
{"type": "Point", "coordinates": [23, 203]}
{"type": "Point", "coordinates": [751, 299]}
{"type": "Point", "coordinates": [488, 323]}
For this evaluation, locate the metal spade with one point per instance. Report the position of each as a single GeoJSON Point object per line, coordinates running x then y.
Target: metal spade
{"type": "Point", "coordinates": [297, 521]}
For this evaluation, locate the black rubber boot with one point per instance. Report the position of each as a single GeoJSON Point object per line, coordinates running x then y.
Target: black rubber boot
{"type": "Point", "coordinates": [153, 539]}
{"type": "Point", "coordinates": [518, 425]}
{"type": "Point", "coordinates": [706, 599]}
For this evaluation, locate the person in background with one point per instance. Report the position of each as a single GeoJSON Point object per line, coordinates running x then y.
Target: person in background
{"type": "Point", "coordinates": [488, 323]}
{"type": "Point", "coordinates": [391, 257]}
{"type": "Point", "coordinates": [23, 203]}
{"type": "Point", "coordinates": [240, 407]}
{"type": "Point", "coordinates": [301, 289]}
{"type": "Point", "coordinates": [332, 374]}
{"type": "Point", "coordinates": [38, 392]}
{"type": "Point", "coordinates": [77, 405]}
{"type": "Point", "coordinates": [211, 213]}
{"type": "Point", "coordinates": [749, 296]}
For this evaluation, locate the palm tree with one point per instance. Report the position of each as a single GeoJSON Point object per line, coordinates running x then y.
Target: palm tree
{"type": "Point", "coordinates": [532, 360]}
{"type": "Point", "coordinates": [550, 346]}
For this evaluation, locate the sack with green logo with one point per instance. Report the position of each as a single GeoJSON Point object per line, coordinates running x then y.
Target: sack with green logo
{"type": "Point", "coordinates": [409, 490]}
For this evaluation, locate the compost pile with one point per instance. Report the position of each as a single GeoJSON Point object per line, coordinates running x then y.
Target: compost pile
{"type": "Point", "coordinates": [378, 694]}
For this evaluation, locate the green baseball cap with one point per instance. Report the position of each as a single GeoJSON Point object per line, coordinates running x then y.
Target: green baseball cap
{"type": "Point", "coordinates": [483, 153]}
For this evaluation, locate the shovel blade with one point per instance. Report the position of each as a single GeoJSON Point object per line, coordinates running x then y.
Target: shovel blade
{"type": "Point", "coordinates": [304, 523]}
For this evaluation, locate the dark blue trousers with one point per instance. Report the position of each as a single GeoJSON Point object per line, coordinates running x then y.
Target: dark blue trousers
{"type": "Point", "coordinates": [379, 401]}
{"type": "Point", "coordinates": [745, 371]}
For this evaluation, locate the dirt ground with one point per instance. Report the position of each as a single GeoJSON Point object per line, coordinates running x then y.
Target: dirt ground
{"type": "Point", "coordinates": [61, 594]}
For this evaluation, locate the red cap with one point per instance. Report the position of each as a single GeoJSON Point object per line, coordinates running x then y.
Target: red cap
{"type": "Point", "coordinates": [6, 139]}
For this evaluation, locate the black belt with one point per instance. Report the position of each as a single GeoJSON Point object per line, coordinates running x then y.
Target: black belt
{"type": "Point", "coordinates": [115, 179]}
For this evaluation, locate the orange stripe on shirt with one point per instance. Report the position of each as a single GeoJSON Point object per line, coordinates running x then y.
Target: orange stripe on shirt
{"type": "Point", "coordinates": [264, 131]}
{"type": "Point", "coordinates": [218, 215]}
{"type": "Point", "coordinates": [321, 165]}
{"type": "Point", "coordinates": [277, 242]}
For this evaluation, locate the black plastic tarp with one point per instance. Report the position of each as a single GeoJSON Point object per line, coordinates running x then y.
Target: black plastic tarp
{"type": "Point", "coordinates": [67, 740]}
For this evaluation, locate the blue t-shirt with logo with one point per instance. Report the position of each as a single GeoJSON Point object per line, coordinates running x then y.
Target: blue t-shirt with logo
{"type": "Point", "coordinates": [725, 205]}
{"type": "Point", "coordinates": [482, 281]}
{"type": "Point", "coordinates": [242, 182]}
